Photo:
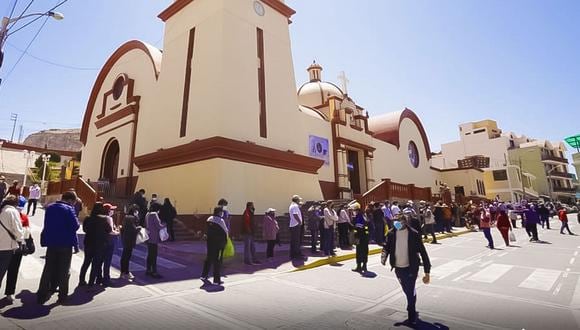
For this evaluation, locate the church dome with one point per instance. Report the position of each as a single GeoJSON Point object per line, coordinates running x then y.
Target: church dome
{"type": "Point", "coordinates": [316, 92]}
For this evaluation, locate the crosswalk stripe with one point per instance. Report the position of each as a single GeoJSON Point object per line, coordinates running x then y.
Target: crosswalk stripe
{"type": "Point", "coordinates": [491, 273]}
{"type": "Point", "coordinates": [449, 268]}
{"type": "Point", "coordinates": [541, 279]}
{"type": "Point", "coordinates": [160, 261]}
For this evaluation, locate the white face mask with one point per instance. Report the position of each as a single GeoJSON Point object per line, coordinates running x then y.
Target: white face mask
{"type": "Point", "coordinates": [136, 213]}
{"type": "Point", "coordinates": [111, 213]}
{"type": "Point", "coordinates": [225, 208]}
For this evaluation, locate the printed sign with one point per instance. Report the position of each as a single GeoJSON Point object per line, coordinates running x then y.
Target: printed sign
{"type": "Point", "coordinates": [318, 148]}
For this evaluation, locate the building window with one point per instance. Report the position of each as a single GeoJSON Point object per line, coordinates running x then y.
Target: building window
{"type": "Point", "coordinates": [479, 131]}
{"type": "Point", "coordinates": [500, 175]}
{"type": "Point", "coordinates": [413, 154]}
{"type": "Point", "coordinates": [118, 87]}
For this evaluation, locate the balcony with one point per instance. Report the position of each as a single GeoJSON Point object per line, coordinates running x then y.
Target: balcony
{"type": "Point", "coordinates": [556, 159]}
{"type": "Point", "coordinates": [558, 174]}
{"type": "Point", "coordinates": [565, 190]}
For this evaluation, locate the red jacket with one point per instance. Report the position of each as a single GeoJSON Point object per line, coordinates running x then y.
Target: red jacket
{"type": "Point", "coordinates": [562, 215]}
{"type": "Point", "coordinates": [503, 221]}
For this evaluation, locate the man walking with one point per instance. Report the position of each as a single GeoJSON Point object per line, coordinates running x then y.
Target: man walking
{"type": "Point", "coordinates": [531, 218]}
{"type": "Point", "coordinates": [59, 237]}
{"type": "Point", "coordinates": [33, 199]}
{"type": "Point", "coordinates": [403, 248]}
{"type": "Point", "coordinates": [248, 235]}
{"type": "Point", "coordinates": [295, 227]}
{"type": "Point", "coordinates": [563, 216]}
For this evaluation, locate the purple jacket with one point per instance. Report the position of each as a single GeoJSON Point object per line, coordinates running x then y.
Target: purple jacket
{"type": "Point", "coordinates": [154, 225]}
{"type": "Point", "coordinates": [531, 216]}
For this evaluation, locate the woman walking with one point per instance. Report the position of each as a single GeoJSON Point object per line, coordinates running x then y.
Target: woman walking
{"type": "Point", "coordinates": [153, 224]}
{"type": "Point", "coordinates": [129, 231]}
{"type": "Point", "coordinates": [217, 235]}
{"type": "Point", "coordinates": [167, 215]}
{"type": "Point", "coordinates": [504, 226]}
{"type": "Point", "coordinates": [11, 233]}
{"type": "Point", "coordinates": [361, 239]}
{"type": "Point", "coordinates": [270, 229]}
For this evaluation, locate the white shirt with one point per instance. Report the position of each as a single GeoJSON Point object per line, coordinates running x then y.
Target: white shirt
{"type": "Point", "coordinates": [294, 209]}
{"type": "Point", "coordinates": [330, 217]}
{"type": "Point", "coordinates": [402, 249]}
{"type": "Point", "coordinates": [34, 192]}
{"type": "Point", "coordinates": [343, 217]}
{"type": "Point", "coordinates": [395, 210]}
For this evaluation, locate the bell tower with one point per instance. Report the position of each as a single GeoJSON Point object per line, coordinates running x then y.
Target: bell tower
{"type": "Point", "coordinates": [228, 67]}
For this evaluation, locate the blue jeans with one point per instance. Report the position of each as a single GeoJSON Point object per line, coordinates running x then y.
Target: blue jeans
{"type": "Point", "coordinates": [407, 280]}
{"type": "Point", "coordinates": [249, 249]}
{"type": "Point", "coordinates": [487, 233]}
{"type": "Point", "coordinates": [328, 240]}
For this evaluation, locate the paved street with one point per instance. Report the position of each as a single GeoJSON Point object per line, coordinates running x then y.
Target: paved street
{"type": "Point", "coordinates": [527, 286]}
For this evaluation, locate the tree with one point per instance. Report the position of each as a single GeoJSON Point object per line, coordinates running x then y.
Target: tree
{"type": "Point", "coordinates": [54, 158]}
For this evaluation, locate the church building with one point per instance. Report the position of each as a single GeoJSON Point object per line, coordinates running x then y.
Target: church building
{"type": "Point", "coordinates": [216, 113]}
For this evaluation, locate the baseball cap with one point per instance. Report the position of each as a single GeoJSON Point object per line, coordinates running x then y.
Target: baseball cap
{"type": "Point", "coordinates": [108, 206]}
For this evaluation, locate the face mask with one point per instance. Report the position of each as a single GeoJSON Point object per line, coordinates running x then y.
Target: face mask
{"type": "Point", "coordinates": [398, 225]}
{"type": "Point", "coordinates": [136, 213]}
{"type": "Point", "coordinates": [225, 208]}
{"type": "Point", "coordinates": [111, 213]}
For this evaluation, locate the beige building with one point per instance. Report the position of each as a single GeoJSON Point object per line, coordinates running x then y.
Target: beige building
{"type": "Point", "coordinates": [217, 114]}
{"type": "Point", "coordinates": [483, 144]}
{"type": "Point", "coordinates": [546, 161]}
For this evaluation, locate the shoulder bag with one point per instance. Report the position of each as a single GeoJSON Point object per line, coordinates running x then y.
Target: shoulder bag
{"type": "Point", "coordinates": [22, 248]}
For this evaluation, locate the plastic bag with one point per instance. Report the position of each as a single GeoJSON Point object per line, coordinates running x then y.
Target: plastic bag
{"type": "Point", "coordinates": [512, 236]}
{"type": "Point", "coordinates": [163, 234]}
{"type": "Point", "coordinates": [229, 249]}
{"type": "Point", "coordinates": [142, 236]}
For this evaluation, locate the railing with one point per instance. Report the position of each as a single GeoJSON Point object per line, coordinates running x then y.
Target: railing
{"type": "Point", "coordinates": [555, 158]}
{"type": "Point", "coordinates": [388, 190]}
{"type": "Point", "coordinates": [560, 174]}
{"type": "Point", "coordinates": [84, 190]}
{"type": "Point", "coordinates": [564, 189]}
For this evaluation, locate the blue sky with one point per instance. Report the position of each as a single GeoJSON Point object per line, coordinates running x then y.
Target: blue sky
{"type": "Point", "coordinates": [450, 61]}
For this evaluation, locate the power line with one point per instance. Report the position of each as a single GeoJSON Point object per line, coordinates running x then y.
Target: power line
{"type": "Point", "coordinates": [71, 67]}
{"type": "Point", "coordinates": [37, 18]}
{"type": "Point", "coordinates": [22, 13]}
{"type": "Point", "coordinates": [12, 11]}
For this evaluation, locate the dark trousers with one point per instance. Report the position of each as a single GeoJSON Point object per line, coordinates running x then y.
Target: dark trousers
{"type": "Point", "coordinates": [89, 254]}
{"type": "Point", "coordinates": [108, 258]}
{"type": "Point", "coordinates": [328, 244]}
{"type": "Point", "coordinates": [5, 258]}
{"type": "Point", "coordinates": [565, 226]}
{"type": "Point", "coordinates": [126, 258]}
{"type": "Point", "coordinates": [270, 249]}
{"type": "Point", "coordinates": [295, 242]}
{"type": "Point", "coordinates": [447, 224]}
{"type": "Point", "coordinates": [343, 234]}
{"type": "Point", "coordinates": [313, 238]}
{"type": "Point", "coordinates": [12, 275]}
{"type": "Point", "coordinates": [372, 230]}
{"type": "Point", "coordinates": [487, 234]}
{"type": "Point", "coordinates": [379, 232]}
{"type": "Point", "coordinates": [505, 234]}
{"type": "Point", "coordinates": [545, 221]}
{"type": "Point", "coordinates": [362, 254]}
{"type": "Point", "coordinates": [151, 258]}
{"type": "Point", "coordinates": [213, 260]}
{"type": "Point", "coordinates": [429, 229]}
{"type": "Point", "coordinates": [57, 268]}
{"type": "Point", "coordinates": [96, 274]}
{"type": "Point", "coordinates": [31, 202]}
{"type": "Point", "coordinates": [170, 230]}
{"type": "Point", "coordinates": [407, 280]}
{"type": "Point", "coordinates": [532, 230]}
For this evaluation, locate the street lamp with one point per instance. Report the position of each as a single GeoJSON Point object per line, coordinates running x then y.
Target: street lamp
{"type": "Point", "coordinates": [45, 159]}
{"type": "Point", "coordinates": [6, 21]}
{"type": "Point", "coordinates": [27, 155]}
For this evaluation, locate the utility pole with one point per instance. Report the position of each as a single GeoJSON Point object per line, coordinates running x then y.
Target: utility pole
{"type": "Point", "coordinates": [20, 133]}
{"type": "Point", "coordinates": [14, 118]}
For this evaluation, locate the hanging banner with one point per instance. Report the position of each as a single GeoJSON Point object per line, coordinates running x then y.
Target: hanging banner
{"type": "Point", "coordinates": [318, 147]}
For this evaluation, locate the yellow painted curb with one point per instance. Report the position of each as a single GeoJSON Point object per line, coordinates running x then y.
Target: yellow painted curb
{"type": "Point", "coordinates": [348, 256]}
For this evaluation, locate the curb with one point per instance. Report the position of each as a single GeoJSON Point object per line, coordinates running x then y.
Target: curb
{"type": "Point", "coordinates": [348, 256]}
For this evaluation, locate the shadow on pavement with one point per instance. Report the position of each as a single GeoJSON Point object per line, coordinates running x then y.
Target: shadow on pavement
{"type": "Point", "coordinates": [211, 288]}
{"type": "Point", "coordinates": [369, 274]}
{"type": "Point", "coordinates": [423, 325]}
{"type": "Point", "coordinates": [29, 309]}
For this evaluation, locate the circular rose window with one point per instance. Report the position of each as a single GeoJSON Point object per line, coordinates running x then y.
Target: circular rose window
{"type": "Point", "coordinates": [118, 87]}
{"type": "Point", "coordinates": [413, 154]}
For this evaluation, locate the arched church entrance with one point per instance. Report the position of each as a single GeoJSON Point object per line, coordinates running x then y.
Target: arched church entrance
{"type": "Point", "coordinates": [110, 163]}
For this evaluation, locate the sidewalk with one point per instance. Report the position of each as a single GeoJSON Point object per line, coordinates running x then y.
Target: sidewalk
{"type": "Point", "coordinates": [194, 252]}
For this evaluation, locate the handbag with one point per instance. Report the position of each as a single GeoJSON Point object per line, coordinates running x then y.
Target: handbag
{"type": "Point", "coordinates": [229, 249]}
{"type": "Point", "coordinates": [142, 236]}
{"type": "Point", "coordinates": [512, 236]}
{"type": "Point", "coordinates": [22, 248]}
{"type": "Point", "coordinates": [163, 234]}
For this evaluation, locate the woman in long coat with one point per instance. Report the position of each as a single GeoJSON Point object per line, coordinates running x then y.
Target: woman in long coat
{"type": "Point", "coordinates": [217, 236]}
{"type": "Point", "coordinates": [270, 229]}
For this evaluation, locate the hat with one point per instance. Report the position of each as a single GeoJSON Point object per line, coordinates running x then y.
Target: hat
{"type": "Point", "coordinates": [355, 206]}
{"type": "Point", "coordinates": [108, 206]}
{"type": "Point", "coordinates": [296, 197]}
{"type": "Point", "coordinates": [410, 202]}
{"type": "Point", "coordinates": [270, 210]}
{"type": "Point", "coordinates": [421, 202]}
{"type": "Point", "coordinates": [2, 177]}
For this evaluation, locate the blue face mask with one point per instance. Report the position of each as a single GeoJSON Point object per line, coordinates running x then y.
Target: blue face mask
{"type": "Point", "coordinates": [398, 225]}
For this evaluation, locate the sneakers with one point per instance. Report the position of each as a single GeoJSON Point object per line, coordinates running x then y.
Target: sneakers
{"type": "Point", "coordinates": [127, 276]}
{"type": "Point", "coordinates": [9, 298]}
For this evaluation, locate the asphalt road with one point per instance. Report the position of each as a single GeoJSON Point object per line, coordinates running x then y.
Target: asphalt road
{"type": "Point", "coordinates": [527, 286]}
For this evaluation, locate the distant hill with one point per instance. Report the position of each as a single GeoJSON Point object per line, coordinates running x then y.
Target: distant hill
{"type": "Point", "coordinates": [58, 139]}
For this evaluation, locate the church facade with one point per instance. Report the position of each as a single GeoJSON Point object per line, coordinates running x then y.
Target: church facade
{"type": "Point", "coordinates": [217, 114]}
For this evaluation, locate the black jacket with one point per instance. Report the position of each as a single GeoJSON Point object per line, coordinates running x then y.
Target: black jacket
{"type": "Point", "coordinates": [416, 248]}
{"type": "Point", "coordinates": [97, 231]}
{"type": "Point", "coordinates": [129, 231]}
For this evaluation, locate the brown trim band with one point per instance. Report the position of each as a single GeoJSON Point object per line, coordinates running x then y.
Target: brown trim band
{"type": "Point", "coordinates": [18, 146]}
{"type": "Point", "coordinates": [116, 127]}
{"type": "Point", "coordinates": [262, 83]}
{"type": "Point", "coordinates": [115, 116]}
{"type": "Point", "coordinates": [178, 5]}
{"type": "Point", "coordinates": [221, 147]}
{"type": "Point", "coordinates": [455, 169]}
{"type": "Point", "coordinates": [351, 143]}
